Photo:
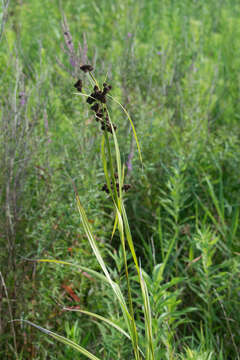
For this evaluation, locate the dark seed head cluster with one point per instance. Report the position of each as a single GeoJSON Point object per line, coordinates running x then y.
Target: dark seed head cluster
{"type": "Point", "coordinates": [86, 68]}
{"type": "Point", "coordinates": [78, 85]}
{"type": "Point", "coordinates": [98, 100]}
{"type": "Point", "coordinates": [125, 187]}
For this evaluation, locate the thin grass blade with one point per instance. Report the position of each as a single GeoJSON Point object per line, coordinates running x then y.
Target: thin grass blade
{"type": "Point", "coordinates": [133, 128]}
{"type": "Point", "coordinates": [94, 273]}
{"type": "Point", "coordinates": [99, 317]}
{"type": "Point", "coordinates": [96, 251]}
{"type": "Point", "coordinates": [63, 340]}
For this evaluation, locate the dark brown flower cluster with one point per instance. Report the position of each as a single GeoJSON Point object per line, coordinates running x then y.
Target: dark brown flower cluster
{"type": "Point", "coordinates": [98, 99]}
{"type": "Point", "coordinates": [85, 68]}
{"type": "Point", "coordinates": [78, 85]}
{"type": "Point", "coordinates": [98, 95]}
{"type": "Point", "coordinates": [125, 187]}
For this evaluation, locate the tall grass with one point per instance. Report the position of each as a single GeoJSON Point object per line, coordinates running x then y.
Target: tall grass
{"type": "Point", "coordinates": [115, 187]}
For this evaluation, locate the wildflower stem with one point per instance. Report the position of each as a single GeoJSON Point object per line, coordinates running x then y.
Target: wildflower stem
{"type": "Point", "coordinates": [94, 80]}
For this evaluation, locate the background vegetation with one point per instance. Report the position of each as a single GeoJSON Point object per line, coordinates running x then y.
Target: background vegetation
{"type": "Point", "coordinates": [175, 66]}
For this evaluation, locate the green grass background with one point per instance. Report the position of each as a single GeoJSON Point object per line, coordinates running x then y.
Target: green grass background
{"type": "Point", "coordinates": [175, 66]}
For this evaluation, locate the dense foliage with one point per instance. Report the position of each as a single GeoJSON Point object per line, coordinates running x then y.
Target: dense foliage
{"type": "Point", "coordinates": [175, 66]}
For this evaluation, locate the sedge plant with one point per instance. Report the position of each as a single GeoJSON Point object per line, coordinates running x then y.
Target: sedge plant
{"type": "Point", "coordinates": [115, 187]}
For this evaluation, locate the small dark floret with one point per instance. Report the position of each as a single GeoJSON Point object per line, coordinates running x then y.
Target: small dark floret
{"type": "Point", "coordinates": [91, 99]}
{"type": "Point", "coordinates": [99, 113]}
{"type": "Point", "coordinates": [107, 126]}
{"type": "Point", "coordinates": [100, 96]}
{"type": "Point", "coordinates": [95, 107]}
{"type": "Point", "coordinates": [86, 68]}
{"type": "Point", "coordinates": [126, 187]}
{"type": "Point", "coordinates": [99, 117]}
{"type": "Point", "coordinates": [97, 95]}
{"type": "Point", "coordinates": [106, 88]}
{"type": "Point", "coordinates": [105, 188]}
{"type": "Point", "coordinates": [78, 85]}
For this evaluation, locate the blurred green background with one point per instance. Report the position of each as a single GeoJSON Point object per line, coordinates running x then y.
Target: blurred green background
{"type": "Point", "coordinates": [175, 66]}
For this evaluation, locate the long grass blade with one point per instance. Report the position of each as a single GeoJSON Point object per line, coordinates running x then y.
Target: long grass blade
{"type": "Point", "coordinates": [134, 334]}
{"type": "Point", "coordinates": [63, 340]}
{"type": "Point", "coordinates": [94, 273]}
{"type": "Point", "coordinates": [218, 206]}
{"type": "Point", "coordinates": [114, 226]}
{"type": "Point", "coordinates": [96, 251]}
{"type": "Point", "coordinates": [148, 319]}
{"type": "Point", "coordinates": [107, 321]}
{"type": "Point", "coordinates": [146, 303]}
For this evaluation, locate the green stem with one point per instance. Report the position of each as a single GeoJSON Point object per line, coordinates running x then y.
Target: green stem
{"type": "Point", "coordinates": [130, 302]}
{"type": "Point", "coordinates": [94, 80]}
{"type": "Point", "coordinates": [111, 169]}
